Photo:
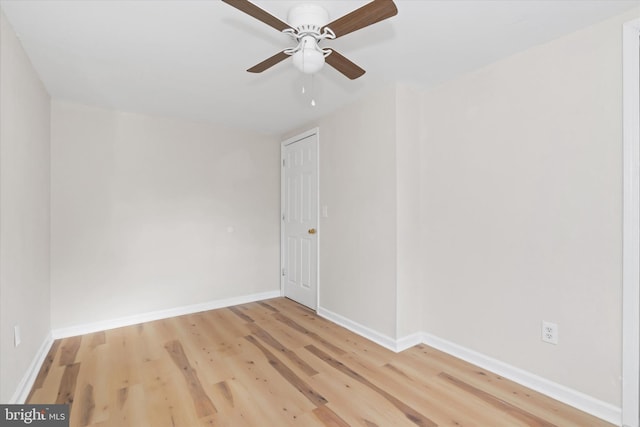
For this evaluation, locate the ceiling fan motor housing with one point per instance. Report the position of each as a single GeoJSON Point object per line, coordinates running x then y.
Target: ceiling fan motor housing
{"type": "Point", "coordinates": [308, 18]}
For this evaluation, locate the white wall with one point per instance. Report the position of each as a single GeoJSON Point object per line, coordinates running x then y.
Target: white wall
{"type": "Point", "coordinates": [370, 260]}
{"type": "Point", "coordinates": [24, 211]}
{"type": "Point", "coordinates": [521, 189]}
{"type": "Point", "coordinates": [409, 280]}
{"type": "Point", "coordinates": [141, 213]}
{"type": "Point", "coordinates": [358, 186]}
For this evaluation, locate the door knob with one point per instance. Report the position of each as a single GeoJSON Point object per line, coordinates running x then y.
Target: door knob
{"type": "Point", "coordinates": [312, 231]}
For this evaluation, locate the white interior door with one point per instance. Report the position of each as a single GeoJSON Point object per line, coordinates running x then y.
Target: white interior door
{"type": "Point", "coordinates": [299, 240]}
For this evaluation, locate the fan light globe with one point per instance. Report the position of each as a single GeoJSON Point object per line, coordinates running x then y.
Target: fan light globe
{"type": "Point", "coordinates": [308, 60]}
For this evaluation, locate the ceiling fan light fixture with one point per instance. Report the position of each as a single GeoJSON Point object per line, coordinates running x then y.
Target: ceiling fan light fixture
{"type": "Point", "coordinates": [308, 60]}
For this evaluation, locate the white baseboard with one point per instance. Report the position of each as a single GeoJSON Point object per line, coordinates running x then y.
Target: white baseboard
{"type": "Point", "coordinates": [24, 387]}
{"type": "Point", "coordinates": [409, 341]}
{"type": "Point", "coordinates": [571, 397]}
{"type": "Point", "coordinates": [359, 329]}
{"type": "Point", "coordinates": [581, 401]}
{"type": "Point", "coordinates": [104, 325]}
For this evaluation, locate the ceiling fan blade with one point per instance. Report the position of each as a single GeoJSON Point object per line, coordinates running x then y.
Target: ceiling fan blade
{"type": "Point", "coordinates": [344, 65]}
{"type": "Point", "coordinates": [370, 13]}
{"type": "Point", "coordinates": [258, 13]}
{"type": "Point", "coordinates": [268, 63]}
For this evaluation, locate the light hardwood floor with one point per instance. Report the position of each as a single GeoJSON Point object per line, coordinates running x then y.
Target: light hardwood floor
{"type": "Point", "coordinates": [275, 363]}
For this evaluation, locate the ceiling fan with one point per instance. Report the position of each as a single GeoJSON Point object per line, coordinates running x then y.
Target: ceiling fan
{"type": "Point", "coordinates": [308, 26]}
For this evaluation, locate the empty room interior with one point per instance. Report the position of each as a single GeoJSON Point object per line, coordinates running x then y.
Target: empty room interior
{"type": "Point", "coordinates": [417, 219]}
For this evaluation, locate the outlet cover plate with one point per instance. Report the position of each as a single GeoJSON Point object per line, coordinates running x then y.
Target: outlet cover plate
{"type": "Point", "coordinates": [550, 332]}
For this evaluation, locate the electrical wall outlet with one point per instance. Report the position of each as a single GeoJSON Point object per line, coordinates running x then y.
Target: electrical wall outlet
{"type": "Point", "coordinates": [17, 339]}
{"type": "Point", "coordinates": [550, 332]}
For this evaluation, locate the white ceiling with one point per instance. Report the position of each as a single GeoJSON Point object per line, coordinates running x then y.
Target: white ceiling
{"type": "Point", "coordinates": [188, 58]}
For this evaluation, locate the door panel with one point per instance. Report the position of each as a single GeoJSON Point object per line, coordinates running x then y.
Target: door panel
{"type": "Point", "coordinates": [299, 219]}
{"type": "Point", "coordinates": [305, 263]}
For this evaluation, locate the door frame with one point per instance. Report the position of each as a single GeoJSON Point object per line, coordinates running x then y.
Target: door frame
{"type": "Point", "coordinates": [631, 225]}
{"type": "Point", "coordinates": [314, 131]}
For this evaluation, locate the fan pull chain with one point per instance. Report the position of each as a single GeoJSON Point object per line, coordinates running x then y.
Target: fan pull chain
{"type": "Point", "coordinates": [304, 45]}
{"type": "Point", "coordinates": [311, 90]}
{"type": "Point", "coordinates": [313, 101]}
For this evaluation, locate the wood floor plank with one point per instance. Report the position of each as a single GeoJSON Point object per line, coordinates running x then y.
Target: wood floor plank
{"type": "Point", "coordinates": [49, 387]}
{"type": "Point", "coordinates": [429, 359]}
{"type": "Point", "coordinates": [260, 392]}
{"type": "Point", "coordinates": [203, 404]}
{"type": "Point", "coordinates": [356, 403]}
{"type": "Point", "coordinates": [301, 329]}
{"type": "Point", "coordinates": [132, 411]}
{"type": "Point", "coordinates": [227, 323]}
{"type": "Point", "coordinates": [69, 350]}
{"type": "Point", "coordinates": [225, 391]}
{"type": "Point", "coordinates": [286, 372]}
{"type": "Point", "coordinates": [45, 368]}
{"type": "Point", "coordinates": [427, 394]}
{"type": "Point", "coordinates": [191, 332]}
{"type": "Point", "coordinates": [238, 311]}
{"type": "Point", "coordinates": [224, 330]}
{"type": "Point", "coordinates": [444, 403]}
{"type": "Point", "coordinates": [257, 312]}
{"type": "Point", "coordinates": [442, 406]}
{"type": "Point", "coordinates": [120, 368]}
{"type": "Point", "coordinates": [275, 362]}
{"type": "Point", "coordinates": [167, 400]}
{"type": "Point", "coordinates": [67, 389]}
{"type": "Point", "coordinates": [253, 405]}
{"type": "Point", "coordinates": [88, 405]}
{"type": "Point", "coordinates": [268, 339]}
{"type": "Point", "coordinates": [155, 333]}
{"type": "Point", "coordinates": [411, 414]}
{"type": "Point", "coordinates": [93, 380]}
{"type": "Point", "coordinates": [287, 336]}
{"type": "Point", "coordinates": [328, 417]}
{"type": "Point", "coordinates": [97, 339]}
{"type": "Point", "coordinates": [507, 408]}
{"type": "Point", "coordinates": [268, 306]}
